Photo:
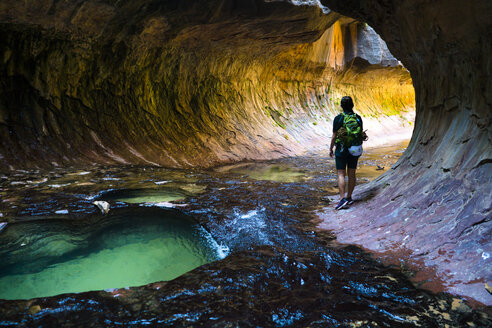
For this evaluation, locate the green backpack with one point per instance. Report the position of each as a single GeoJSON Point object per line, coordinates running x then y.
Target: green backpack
{"type": "Point", "coordinates": [350, 134]}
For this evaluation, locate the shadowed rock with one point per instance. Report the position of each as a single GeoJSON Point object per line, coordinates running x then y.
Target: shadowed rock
{"type": "Point", "coordinates": [206, 82]}
{"type": "Point", "coordinates": [435, 201]}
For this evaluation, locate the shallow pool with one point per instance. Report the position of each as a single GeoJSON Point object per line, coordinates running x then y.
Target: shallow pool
{"type": "Point", "coordinates": [137, 196]}
{"type": "Point", "coordinates": [126, 248]}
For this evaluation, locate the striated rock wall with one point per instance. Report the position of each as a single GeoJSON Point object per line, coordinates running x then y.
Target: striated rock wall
{"type": "Point", "coordinates": [182, 83]}
{"type": "Point", "coordinates": [187, 83]}
{"type": "Point", "coordinates": [436, 201]}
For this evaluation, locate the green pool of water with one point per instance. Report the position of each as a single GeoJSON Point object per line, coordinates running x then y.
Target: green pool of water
{"type": "Point", "coordinates": [50, 257]}
{"type": "Point", "coordinates": [267, 172]}
{"type": "Point", "coordinates": [136, 196]}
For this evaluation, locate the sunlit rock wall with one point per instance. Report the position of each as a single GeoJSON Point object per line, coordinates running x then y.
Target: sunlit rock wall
{"type": "Point", "coordinates": [436, 201]}
{"type": "Point", "coordinates": [183, 83]}
{"type": "Point", "coordinates": [187, 83]}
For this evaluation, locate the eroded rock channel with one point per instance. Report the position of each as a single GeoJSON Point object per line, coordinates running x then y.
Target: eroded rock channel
{"type": "Point", "coordinates": [103, 85]}
{"type": "Point", "coordinates": [280, 270]}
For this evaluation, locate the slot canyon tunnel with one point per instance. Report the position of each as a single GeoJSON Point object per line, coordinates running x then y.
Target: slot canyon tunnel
{"type": "Point", "coordinates": [195, 84]}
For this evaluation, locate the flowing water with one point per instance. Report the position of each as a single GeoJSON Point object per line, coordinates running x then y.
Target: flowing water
{"type": "Point", "coordinates": [246, 231]}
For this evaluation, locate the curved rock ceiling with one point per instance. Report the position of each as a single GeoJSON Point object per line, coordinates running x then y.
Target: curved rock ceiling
{"type": "Point", "coordinates": [183, 83]}
{"type": "Point", "coordinates": [186, 83]}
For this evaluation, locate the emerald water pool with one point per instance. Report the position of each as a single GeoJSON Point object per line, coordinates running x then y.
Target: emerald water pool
{"type": "Point", "coordinates": [127, 248]}
{"type": "Point", "coordinates": [137, 196]}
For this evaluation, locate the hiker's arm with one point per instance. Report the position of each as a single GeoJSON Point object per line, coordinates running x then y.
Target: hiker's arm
{"type": "Point", "coordinates": [333, 138]}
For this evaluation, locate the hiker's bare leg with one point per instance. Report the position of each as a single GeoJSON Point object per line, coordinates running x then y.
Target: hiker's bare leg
{"type": "Point", "coordinates": [351, 182]}
{"type": "Point", "coordinates": [341, 183]}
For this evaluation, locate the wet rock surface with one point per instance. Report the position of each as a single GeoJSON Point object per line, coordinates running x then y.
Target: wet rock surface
{"type": "Point", "coordinates": [281, 271]}
{"type": "Point", "coordinates": [435, 202]}
{"type": "Point", "coordinates": [50, 256]}
{"type": "Point", "coordinates": [263, 287]}
{"type": "Point", "coordinates": [52, 116]}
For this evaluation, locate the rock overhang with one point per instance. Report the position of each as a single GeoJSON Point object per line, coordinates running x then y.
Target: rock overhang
{"type": "Point", "coordinates": [159, 83]}
{"type": "Point", "coordinates": [247, 74]}
{"type": "Point", "coordinates": [438, 185]}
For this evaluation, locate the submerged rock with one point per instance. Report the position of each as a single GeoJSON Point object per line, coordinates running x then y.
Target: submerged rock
{"type": "Point", "coordinates": [279, 270]}
{"type": "Point", "coordinates": [130, 247]}
{"type": "Point", "coordinates": [218, 81]}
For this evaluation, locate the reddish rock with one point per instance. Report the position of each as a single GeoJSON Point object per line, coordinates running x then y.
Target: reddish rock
{"type": "Point", "coordinates": [439, 192]}
{"type": "Point", "coordinates": [177, 84]}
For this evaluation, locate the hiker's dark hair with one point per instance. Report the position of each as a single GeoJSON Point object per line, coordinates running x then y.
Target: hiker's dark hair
{"type": "Point", "coordinates": [347, 104]}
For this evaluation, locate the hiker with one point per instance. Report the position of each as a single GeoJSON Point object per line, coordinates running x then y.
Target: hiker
{"type": "Point", "coordinates": [347, 136]}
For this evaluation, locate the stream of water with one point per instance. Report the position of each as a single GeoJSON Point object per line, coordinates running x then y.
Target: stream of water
{"type": "Point", "coordinates": [246, 232]}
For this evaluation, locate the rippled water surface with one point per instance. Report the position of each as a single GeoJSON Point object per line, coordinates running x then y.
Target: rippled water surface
{"type": "Point", "coordinates": [281, 271]}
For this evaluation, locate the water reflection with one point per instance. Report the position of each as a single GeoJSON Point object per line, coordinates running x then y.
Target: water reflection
{"type": "Point", "coordinates": [265, 171]}
{"type": "Point", "coordinates": [137, 196]}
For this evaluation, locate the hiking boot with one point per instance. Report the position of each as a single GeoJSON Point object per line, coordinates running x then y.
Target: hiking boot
{"type": "Point", "coordinates": [350, 201]}
{"type": "Point", "coordinates": [343, 202]}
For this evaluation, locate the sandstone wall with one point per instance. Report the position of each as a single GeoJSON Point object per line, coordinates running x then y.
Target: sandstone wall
{"type": "Point", "coordinates": [182, 83]}
{"type": "Point", "coordinates": [436, 201]}
{"type": "Point", "coordinates": [186, 83]}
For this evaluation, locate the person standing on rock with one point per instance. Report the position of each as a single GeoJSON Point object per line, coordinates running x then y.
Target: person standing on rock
{"type": "Point", "coordinates": [347, 136]}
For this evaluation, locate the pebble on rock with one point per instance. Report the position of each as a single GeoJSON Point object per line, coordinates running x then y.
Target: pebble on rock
{"type": "Point", "coordinates": [102, 205]}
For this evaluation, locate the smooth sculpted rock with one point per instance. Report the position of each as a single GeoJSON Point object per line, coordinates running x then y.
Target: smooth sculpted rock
{"type": "Point", "coordinates": [435, 202]}
{"type": "Point", "coordinates": [182, 84]}
{"type": "Point", "coordinates": [196, 84]}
